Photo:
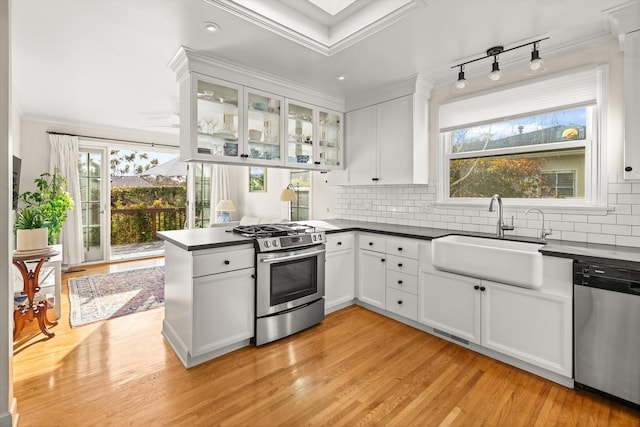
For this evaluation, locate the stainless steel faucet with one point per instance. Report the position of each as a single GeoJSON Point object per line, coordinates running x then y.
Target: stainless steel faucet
{"type": "Point", "coordinates": [543, 233]}
{"type": "Point", "coordinates": [500, 225]}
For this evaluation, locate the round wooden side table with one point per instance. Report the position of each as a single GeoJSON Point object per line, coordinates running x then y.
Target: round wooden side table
{"type": "Point", "coordinates": [32, 309]}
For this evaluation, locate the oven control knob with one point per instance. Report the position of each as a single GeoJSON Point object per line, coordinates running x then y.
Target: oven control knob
{"type": "Point", "coordinates": [319, 236]}
{"type": "Point", "coordinates": [314, 237]}
{"type": "Point", "coordinates": [267, 244]}
{"type": "Point", "coordinates": [275, 243]}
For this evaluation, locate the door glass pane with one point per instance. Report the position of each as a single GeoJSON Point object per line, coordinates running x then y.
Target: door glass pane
{"type": "Point", "coordinates": [90, 174]}
{"type": "Point", "coordinates": [300, 134]}
{"type": "Point", "coordinates": [203, 194]}
{"type": "Point", "coordinates": [217, 115]}
{"type": "Point", "coordinates": [330, 134]}
{"type": "Point", "coordinates": [293, 279]}
{"type": "Point", "coordinates": [264, 127]}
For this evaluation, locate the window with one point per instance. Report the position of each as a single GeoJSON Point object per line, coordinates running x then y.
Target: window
{"type": "Point", "coordinates": [534, 141]}
{"type": "Point", "coordinates": [300, 208]}
{"type": "Point", "coordinates": [517, 158]}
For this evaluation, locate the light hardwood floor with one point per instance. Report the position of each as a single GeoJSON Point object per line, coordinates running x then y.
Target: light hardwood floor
{"type": "Point", "coordinates": [356, 368]}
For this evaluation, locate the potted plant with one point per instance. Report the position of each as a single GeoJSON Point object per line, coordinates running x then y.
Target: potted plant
{"type": "Point", "coordinates": [45, 209]}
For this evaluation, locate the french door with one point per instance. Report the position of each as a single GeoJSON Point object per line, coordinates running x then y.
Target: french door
{"type": "Point", "coordinates": [93, 170]}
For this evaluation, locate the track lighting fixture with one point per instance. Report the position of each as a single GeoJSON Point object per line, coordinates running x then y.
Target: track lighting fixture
{"type": "Point", "coordinates": [495, 76]}
{"type": "Point", "coordinates": [461, 84]}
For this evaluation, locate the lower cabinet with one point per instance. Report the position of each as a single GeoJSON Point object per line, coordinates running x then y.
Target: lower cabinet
{"type": "Point", "coordinates": [371, 278]}
{"type": "Point", "coordinates": [339, 271]}
{"type": "Point", "coordinates": [529, 325]}
{"type": "Point", "coordinates": [222, 309]}
{"type": "Point", "coordinates": [450, 303]}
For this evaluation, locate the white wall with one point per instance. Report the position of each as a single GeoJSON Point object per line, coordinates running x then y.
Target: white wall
{"type": "Point", "coordinates": [6, 234]}
{"type": "Point", "coordinates": [415, 204]}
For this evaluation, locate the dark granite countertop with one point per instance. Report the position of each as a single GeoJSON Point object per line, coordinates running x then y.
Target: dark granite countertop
{"type": "Point", "coordinates": [207, 238]}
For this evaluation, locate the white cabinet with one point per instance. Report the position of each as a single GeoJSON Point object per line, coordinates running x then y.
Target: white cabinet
{"type": "Point", "coordinates": [387, 143]}
{"type": "Point", "coordinates": [402, 277]}
{"type": "Point", "coordinates": [450, 303]}
{"type": "Point", "coordinates": [222, 310]}
{"type": "Point", "coordinates": [529, 325]}
{"type": "Point", "coordinates": [235, 115]}
{"type": "Point", "coordinates": [209, 301]}
{"type": "Point", "coordinates": [371, 270]}
{"type": "Point", "coordinates": [314, 137]}
{"type": "Point", "coordinates": [339, 271]}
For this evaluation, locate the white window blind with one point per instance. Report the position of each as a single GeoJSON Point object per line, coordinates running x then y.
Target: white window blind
{"type": "Point", "coordinates": [576, 88]}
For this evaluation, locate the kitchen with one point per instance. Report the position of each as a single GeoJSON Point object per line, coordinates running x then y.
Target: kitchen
{"type": "Point", "coordinates": [417, 205]}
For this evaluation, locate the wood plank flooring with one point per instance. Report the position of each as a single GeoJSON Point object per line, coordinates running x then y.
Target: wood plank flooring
{"type": "Point", "coordinates": [356, 368]}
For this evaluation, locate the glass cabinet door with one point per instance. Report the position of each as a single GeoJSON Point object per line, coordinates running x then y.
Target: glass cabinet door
{"type": "Point", "coordinates": [300, 128]}
{"type": "Point", "coordinates": [217, 119]}
{"type": "Point", "coordinates": [329, 148]}
{"type": "Point", "coordinates": [264, 127]}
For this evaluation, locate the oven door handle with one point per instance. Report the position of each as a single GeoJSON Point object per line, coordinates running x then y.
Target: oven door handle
{"type": "Point", "coordinates": [290, 257]}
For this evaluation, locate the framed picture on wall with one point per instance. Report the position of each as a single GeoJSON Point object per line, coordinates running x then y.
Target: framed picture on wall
{"type": "Point", "coordinates": [257, 179]}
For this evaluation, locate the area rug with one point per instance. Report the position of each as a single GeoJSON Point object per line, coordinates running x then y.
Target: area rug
{"type": "Point", "coordinates": [105, 296]}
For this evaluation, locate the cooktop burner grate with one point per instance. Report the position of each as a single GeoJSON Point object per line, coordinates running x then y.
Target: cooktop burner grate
{"type": "Point", "coordinates": [273, 230]}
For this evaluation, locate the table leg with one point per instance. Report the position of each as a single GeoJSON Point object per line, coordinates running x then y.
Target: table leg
{"type": "Point", "coordinates": [18, 321]}
{"type": "Point", "coordinates": [40, 312]}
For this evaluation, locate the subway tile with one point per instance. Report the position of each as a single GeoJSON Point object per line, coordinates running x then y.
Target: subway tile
{"type": "Point", "coordinates": [588, 228]}
{"type": "Point", "coordinates": [628, 241]}
{"type": "Point", "coordinates": [629, 199]}
{"type": "Point", "coordinates": [605, 239]}
{"type": "Point", "coordinates": [622, 209]}
{"type": "Point", "coordinates": [573, 236]}
{"type": "Point", "coordinates": [624, 230]}
{"type": "Point", "coordinates": [629, 219]}
{"type": "Point", "coordinates": [620, 188]}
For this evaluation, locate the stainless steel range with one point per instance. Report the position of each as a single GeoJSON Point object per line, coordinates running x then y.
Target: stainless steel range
{"type": "Point", "coordinates": [290, 260]}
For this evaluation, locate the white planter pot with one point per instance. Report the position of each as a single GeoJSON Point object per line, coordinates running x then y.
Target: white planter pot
{"type": "Point", "coordinates": [27, 240]}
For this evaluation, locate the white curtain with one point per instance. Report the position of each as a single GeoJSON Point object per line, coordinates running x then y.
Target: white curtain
{"type": "Point", "coordinates": [219, 188]}
{"type": "Point", "coordinates": [64, 158]}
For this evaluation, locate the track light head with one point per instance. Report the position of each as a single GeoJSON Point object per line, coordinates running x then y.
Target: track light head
{"type": "Point", "coordinates": [495, 75]}
{"type": "Point", "coordinates": [461, 83]}
{"type": "Point", "coordinates": [536, 65]}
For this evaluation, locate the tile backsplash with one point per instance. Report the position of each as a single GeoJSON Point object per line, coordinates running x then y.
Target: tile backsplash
{"type": "Point", "coordinates": [416, 205]}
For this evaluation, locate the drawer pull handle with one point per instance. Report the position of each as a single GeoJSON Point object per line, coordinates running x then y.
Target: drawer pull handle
{"type": "Point", "coordinates": [382, 259]}
{"type": "Point", "coordinates": [399, 282]}
{"type": "Point", "coordinates": [339, 243]}
{"type": "Point", "coordinates": [482, 288]}
{"type": "Point", "coordinates": [253, 276]}
{"type": "Point", "coordinates": [370, 243]}
{"type": "Point", "coordinates": [227, 262]}
{"type": "Point", "coordinates": [399, 264]}
{"type": "Point", "coordinates": [399, 302]}
{"type": "Point", "coordinates": [399, 249]}
{"type": "Point", "coordinates": [476, 287]}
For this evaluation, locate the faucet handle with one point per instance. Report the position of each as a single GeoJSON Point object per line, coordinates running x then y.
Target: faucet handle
{"type": "Point", "coordinates": [508, 227]}
{"type": "Point", "coordinates": [544, 233]}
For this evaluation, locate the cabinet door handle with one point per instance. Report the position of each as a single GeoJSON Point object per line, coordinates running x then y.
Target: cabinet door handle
{"type": "Point", "coordinates": [316, 163]}
{"type": "Point", "coordinates": [339, 243]}
{"type": "Point", "coordinates": [375, 179]}
{"type": "Point", "coordinates": [399, 264]}
{"type": "Point", "coordinates": [399, 302]}
{"type": "Point", "coordinates": [370, 243]}
{"type": "Point", "coordinates": [382, 260]}
{"type": "Point", "coordinates": [476, 287]}
{"type": "Point", "coordinates": [253, 276]}
{"type": "Point", "coordinates": [482, 288]}
{"type": "Point", "coordinates": [399, 282]}
{"type": "Point", "coordinates": [227, 262]}
{"type": "Point", "coordinates": [628, 169]}
{"type": "Point", "coordinates": [399, 249]}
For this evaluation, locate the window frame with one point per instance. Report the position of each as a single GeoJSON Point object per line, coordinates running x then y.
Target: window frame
{"type": "Point", "coordinates": [595, 196]}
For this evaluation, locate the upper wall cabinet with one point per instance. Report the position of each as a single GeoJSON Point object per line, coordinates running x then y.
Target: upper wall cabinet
{"type": "Point", "coordinates": [314, 137]}
{"type": "Point", "coordinates": [231, 114]}
{"type": "Point", "coordinates": [388, 142]}
{"type": "Point", "coordinates": [626, 26]}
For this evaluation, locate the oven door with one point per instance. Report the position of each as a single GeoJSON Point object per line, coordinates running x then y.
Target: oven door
{"type": "Point", "coordinates": [289, 279]}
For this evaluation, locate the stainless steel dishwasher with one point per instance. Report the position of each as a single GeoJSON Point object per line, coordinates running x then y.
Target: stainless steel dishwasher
{"type": "Point", "coordinates": [607, 330]}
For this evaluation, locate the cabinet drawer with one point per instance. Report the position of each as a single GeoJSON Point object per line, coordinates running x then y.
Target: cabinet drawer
{"type": "Point", "coordinates": [402, 281]}
{"type": "Point", "coordinates": [339, 242]}
{"type": "Point", "coordinates": [220, 262]}
{"type": "Point", "coordinates": [403, 247]}
{"type": "Point", "coordinates": [404, 265]}
{"type": "Point", "coordinates": [372, 243]}
{"type": "Point", "coordinates": [402, 303]}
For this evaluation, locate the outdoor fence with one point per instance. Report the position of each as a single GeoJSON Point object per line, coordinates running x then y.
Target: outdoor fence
{"type": "Point", "coordinates": [141, 225]}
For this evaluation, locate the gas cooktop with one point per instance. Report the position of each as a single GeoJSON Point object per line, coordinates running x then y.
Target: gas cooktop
{"type": "Point", "coordinates": [279, 237]}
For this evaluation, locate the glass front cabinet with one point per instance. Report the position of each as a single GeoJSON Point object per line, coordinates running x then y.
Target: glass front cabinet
{"type": "Point", "coordinates": [314, 137]}
{"type": "Point", "coordinates": [230, 123]}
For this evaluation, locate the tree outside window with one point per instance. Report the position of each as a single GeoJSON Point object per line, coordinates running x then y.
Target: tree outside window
{"type": "Point", "coordinates": [301, 181]}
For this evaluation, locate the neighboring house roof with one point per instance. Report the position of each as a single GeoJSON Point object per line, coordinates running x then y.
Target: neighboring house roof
{"type": "Point", "coordinates": [542, 136]}
{"type": "Point", "coordinates": [129, 181]}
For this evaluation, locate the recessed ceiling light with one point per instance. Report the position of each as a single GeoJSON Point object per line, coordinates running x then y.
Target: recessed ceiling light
{"type": "Point", "coordinates": [342, 77]}
{"type": "Point", "coordinates": [211, 27]}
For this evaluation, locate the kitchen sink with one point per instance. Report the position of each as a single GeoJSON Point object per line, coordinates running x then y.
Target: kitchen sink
{"type": "Point", "coordinates": [504, 261]}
